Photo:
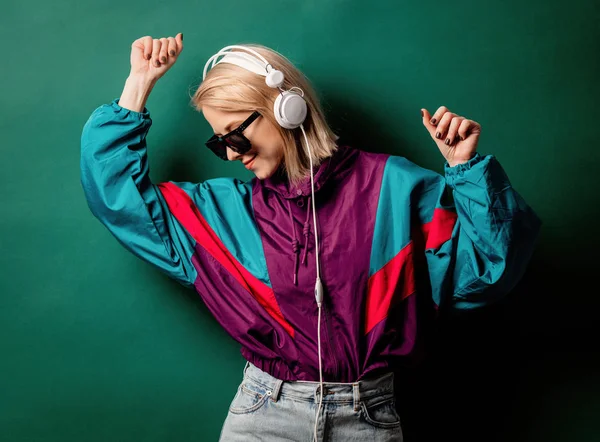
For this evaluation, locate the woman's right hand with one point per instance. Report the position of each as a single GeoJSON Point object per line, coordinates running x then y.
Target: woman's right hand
{"type": "Point", "coordinates": [151, 57]}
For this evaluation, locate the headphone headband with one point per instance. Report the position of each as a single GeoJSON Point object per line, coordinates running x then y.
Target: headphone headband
{"type": "Point", "coordinates": [259, 64]}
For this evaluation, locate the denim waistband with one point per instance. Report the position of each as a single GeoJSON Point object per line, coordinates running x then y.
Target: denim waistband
{"type": "Point", "coordinates": [340, 392]}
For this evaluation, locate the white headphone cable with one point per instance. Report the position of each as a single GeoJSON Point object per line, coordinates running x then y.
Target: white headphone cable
{"type": "Point", "coordinates": [318, 285]}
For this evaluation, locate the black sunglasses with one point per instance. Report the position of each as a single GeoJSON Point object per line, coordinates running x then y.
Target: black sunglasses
{"type": "Point", "coordinates": [234, 139]}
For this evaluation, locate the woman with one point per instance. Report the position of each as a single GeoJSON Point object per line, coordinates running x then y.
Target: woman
{"type": "Point", "coordinates": [380, 242]}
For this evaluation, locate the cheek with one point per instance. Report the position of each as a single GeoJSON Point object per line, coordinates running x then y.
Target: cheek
{"type": "Point", "coordinates": [273, 142]}
{"type": "Point", "coordinates": [272, 152]}
{"type": "Point", "coordinates": [269, 162]}
{"type": "Point", "coordinates": [269, 146]}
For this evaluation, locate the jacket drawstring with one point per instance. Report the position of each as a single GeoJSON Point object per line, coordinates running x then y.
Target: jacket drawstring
{"type": "Point", "coordinates": [295, 242]}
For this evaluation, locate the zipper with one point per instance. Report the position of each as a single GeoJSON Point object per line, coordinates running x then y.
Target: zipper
{"type": "Point", "coordinates": [329, 340]}
{"type": "Point", "coordinates": [325, 316]}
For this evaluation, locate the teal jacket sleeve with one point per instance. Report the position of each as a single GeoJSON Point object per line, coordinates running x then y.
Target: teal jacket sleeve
{"type": "Point", "coordinates": [119, 192]}
{"type": "Point", "coordinates": [490, 233]}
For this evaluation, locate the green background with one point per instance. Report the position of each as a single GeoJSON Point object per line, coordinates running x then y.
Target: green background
{"type": "Point", "coordinates": [96, 345]}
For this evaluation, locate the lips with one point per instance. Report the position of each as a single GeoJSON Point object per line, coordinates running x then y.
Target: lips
{"type": "Point", "coordinates": [246, 163]}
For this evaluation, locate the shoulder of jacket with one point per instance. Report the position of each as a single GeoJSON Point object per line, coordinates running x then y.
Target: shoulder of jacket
{"type": "Point", "coordinates": [219, 187]}
{"type": "Point", "coordinates": [400, 168]}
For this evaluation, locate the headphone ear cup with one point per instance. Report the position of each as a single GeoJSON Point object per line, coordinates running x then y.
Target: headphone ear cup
{"type": "Point", "coordinates": [290, 110]}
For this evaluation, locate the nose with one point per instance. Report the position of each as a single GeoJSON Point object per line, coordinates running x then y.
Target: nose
{"type": "Point", "coordinates": [231, 154]}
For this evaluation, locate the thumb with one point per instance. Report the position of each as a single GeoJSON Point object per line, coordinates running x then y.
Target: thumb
{"type": "Point", "coordinates": [179, 42]}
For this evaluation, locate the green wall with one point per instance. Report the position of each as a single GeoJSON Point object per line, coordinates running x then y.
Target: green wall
{"type": "Point", "coordinates": [96, 345]}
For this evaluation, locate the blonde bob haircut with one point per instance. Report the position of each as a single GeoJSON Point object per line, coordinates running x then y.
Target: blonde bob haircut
{"type": "Point", "coordinates": [228, 87]}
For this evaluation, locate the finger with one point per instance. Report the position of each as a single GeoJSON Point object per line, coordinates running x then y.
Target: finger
{"type": "Point", "coordinates": [155, 52]}
{"type": "Point", "coordinates": [437, 116]}
{"type": "Point", "coordinates": [454, 124]}
{"type": "Point", "coordinates": [164, 46]}
{"type": "Point", "coordinates": [442, 126]}
{"type": "Point", "coordinates": [172, 47]}
{"type": "Point", "coordinates": [147, 41]}
{"type": "Point", "coordinates": [179, 41]}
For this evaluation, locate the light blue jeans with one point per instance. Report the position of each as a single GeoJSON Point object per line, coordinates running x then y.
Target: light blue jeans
{"type": "Point", "coordinates": [265, 408]}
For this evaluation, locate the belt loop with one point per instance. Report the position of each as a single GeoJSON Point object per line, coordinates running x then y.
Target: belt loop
{"type": "Point", "coordinates": [245, 368]}
{"type": "Point", "coordinates": [356, 395]}
{"type": "Point", "coordinates": [276, 390]}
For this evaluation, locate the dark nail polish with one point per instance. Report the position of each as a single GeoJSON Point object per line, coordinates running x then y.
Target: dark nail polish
{"type": "Point", "coordinates": [438, 135]}
{"type": "Point", "coordinates": [182, 37]}
{"type": "Point", "coordinates": [447, 141]}
{"type": "Point", "coordinates": [422, 114]}
{"type": "Point", "coordinates": [433, 120]}
{"type": "Point", "coordinates": [461, 138]}
{"type": "Point", "coordinates": [172, 53]}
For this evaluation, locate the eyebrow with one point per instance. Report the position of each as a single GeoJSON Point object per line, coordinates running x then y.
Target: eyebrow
{"type": "Point", "coordinates": [227, 128]}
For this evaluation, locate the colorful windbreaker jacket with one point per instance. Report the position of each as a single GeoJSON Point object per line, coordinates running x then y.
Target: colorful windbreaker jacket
{"type": "Point", "coordinates": [397, 242]}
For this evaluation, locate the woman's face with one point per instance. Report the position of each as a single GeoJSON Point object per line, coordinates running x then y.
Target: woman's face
{"type": "Point", "coordinates": [266, 153]}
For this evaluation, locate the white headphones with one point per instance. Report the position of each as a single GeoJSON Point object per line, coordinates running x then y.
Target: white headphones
{"type": "Point", "coordinates": [290, 107]}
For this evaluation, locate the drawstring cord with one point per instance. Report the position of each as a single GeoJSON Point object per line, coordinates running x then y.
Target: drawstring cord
{"type": "Point", "coordinates": [295, 242]}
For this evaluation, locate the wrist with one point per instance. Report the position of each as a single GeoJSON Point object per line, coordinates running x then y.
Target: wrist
{"type": "Point", "coordinates": [135, 93]}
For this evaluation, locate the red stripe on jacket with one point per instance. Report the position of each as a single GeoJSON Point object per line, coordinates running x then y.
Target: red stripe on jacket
{"type": "Point", "coordinates": [186, 212]}
{"type": "Point", "coordinates": [395, 281]}
{"type": "Point", "coordinates": [439, 229]}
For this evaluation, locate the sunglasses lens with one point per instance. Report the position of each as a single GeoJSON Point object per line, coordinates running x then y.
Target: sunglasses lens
{"type": "Point", "coordinates": [239, 143]}
{"type": "Point", "coordinates": [219, 148]}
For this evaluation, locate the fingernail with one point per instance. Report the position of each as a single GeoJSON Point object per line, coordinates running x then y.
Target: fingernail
{"type": "Point", "coordinates": [438, 135]}
{"type": "Point", "coordinates": [447, 141]}
{"type": "Point", "coordinates": [422, 114]}
{"type": "Point", "coordinates": [182, 36]}
{"type": "Point", "coordinates": [163, 59]}
{"type": "Point", "coordinates": [148, 56]}
{"type": "Point", "coordinates": [432, 121]}
{"type": "Point", "coordinates": [461, 138]}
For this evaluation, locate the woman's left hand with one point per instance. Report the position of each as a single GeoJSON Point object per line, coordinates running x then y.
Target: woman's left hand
{"type": "Point", "coordinates": [455, 136]}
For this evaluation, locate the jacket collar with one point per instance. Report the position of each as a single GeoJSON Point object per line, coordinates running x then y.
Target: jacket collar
{"type": "Point", "coordinates": [332, 168]}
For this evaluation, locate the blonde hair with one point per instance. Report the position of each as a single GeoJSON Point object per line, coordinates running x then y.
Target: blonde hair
{"type": "Point", "coordinates": [230, 88]}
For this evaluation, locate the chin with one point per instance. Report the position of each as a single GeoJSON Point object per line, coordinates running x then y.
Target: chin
{"type": "Point", "coordinates": [261, 174]}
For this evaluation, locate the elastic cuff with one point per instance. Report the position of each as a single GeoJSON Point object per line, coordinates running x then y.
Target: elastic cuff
{"type": "Point", "coordinates": [455, 174]}
{"type": "Point", "coordinates": [144, 114]}
{"type": "Point", "coordinates": [459, 169]}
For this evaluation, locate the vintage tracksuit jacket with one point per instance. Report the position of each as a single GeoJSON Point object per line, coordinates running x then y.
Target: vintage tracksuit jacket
{"type": "Point", "coordinates": [397, 241]}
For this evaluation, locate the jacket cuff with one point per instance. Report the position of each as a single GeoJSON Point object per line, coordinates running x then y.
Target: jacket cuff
{"type": "Point", "coordinates": [454, 173]}
{"type": "Point", "coordinates": [117, 108]}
